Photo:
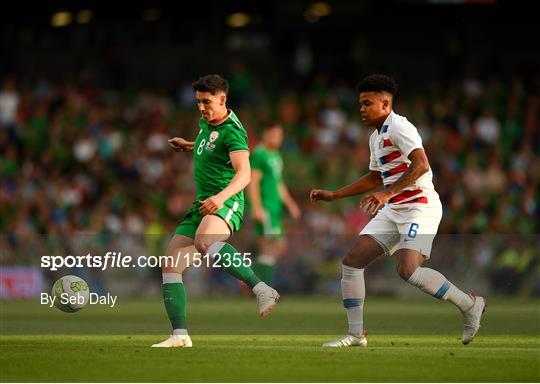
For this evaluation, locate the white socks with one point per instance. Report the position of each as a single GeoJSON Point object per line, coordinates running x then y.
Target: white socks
{"type": "Point", "coordinates": [353, 290]}
{"type": "Point", "coordinates": [434, 283]}
{"type": "Point", "coordinates": [171, 278]}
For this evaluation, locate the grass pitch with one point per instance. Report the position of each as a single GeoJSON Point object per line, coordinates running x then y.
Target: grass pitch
{"type": "Point", "coordinates": [410, 340]}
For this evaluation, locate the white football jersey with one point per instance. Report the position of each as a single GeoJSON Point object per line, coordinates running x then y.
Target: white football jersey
{"type": "Point", "coordinates": [389, 149]}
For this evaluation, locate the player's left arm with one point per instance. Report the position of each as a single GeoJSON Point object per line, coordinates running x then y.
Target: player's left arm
{"type": "Point", "coordinates": [179, 144]}
{"type": "Point", "coordinates": [419, 165]}
{"type": "Point", "coordinates": [289, 202]}
{"type": "Point", "coordinates": [240, 163]}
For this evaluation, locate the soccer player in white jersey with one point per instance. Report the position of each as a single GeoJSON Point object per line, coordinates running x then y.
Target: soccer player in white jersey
{"type": "Point", "coordinates": [407, 223]}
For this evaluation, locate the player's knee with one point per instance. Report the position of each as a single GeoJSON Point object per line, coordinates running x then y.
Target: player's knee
{"type": "Point", "coordinates": [202, 244]}
{"type": "Point", "coordinates": [405, 271]}
{"type": "Point", "coordinates": [350, 260]}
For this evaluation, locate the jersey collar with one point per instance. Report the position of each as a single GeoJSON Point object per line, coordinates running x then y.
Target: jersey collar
{"type": "Point", "coordinates": [386, 123]}
{"type": "Point", "coordinates": [219, 122]}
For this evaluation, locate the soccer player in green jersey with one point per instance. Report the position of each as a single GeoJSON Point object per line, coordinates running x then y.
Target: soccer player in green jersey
{"type": "Point", "coordinates": [267, 194]}
{"type": "Point", "coordinates": [222, 171]}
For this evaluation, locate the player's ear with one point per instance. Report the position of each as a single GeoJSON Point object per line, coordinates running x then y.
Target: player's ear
{"type": "Point", "coordinates": [222, 99]}
{"type": "Point", "coordinates": [386, 103]}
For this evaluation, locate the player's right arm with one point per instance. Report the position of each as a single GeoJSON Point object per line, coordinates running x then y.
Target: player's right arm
{"type": "Point", "coordinates": [366, 183]}
{"type": "Point", "coordinates": [254, 194]}
{"type": "Point", "coordinates": [181, 145]}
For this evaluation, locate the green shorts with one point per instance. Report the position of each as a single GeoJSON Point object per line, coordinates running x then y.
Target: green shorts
{"type": "Point", "coordinates": [272, 225]}
{"type": "Point", "coordinates": [231, 212]}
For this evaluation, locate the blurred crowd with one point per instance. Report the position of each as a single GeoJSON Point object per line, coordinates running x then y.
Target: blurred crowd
{"type": "Point", "coordinates": [78, 158]}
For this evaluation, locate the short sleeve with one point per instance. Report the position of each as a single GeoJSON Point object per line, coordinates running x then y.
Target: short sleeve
{"type": "Point", "coordinates": [373, 165]}
{"type": "Point", "coordinates": [406, 138]}
{"type": "Point", "coordinates": [235, 139]}
{"type": "Point", "coordinates": [256, 160]}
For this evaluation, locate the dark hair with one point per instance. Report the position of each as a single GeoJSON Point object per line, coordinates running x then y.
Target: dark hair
{"type": "Point", "coordinates": [377, 83]}
{"type": "Point", "coordinates": [270, 124]}
{"type": "Point", "coordinates": [211, 83]}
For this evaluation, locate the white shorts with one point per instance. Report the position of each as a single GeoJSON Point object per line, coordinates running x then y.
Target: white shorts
{"type": "Point", "coordinates": [410, 228]}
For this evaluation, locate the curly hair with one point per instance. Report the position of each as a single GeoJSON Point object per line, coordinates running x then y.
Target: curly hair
{"type": "Point", "coordinates": [377, 83]}
{"type": "Point", "coordinates": [211, 83]}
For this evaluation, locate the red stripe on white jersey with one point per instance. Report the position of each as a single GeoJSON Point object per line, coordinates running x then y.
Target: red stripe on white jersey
{"type": "Point", "coordinates": [394, 171]}
{"type": "Point", "coordinates": [420, 200]}
{"type": "Point", "coordinates": [390, 157]}
{"type": "Point", "coordinates": [405, 195]}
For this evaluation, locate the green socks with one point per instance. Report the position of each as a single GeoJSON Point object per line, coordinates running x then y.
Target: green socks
{"type": "Point", "coordinates": [264, 271]}
{"type": "Point", "coordinates": [174, 297]}
{"type": "Point", "coordinates": [233, 263]}
{"type": "Point", "coordinates": [174, 293]}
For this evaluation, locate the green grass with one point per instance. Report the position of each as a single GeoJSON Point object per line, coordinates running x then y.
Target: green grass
{"type": "Point", "coordinates": [410, 340]}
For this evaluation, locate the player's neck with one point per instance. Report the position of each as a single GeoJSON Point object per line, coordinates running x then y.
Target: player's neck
{"type": "Point", "coordinates": [269, 148]}
{"type": "Point", "coordinates": [221, 119]}
{"type": "Point", "coordinates": [379, 124]}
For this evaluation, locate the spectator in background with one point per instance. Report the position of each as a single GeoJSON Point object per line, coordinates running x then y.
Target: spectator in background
{"type": "Point", "coordinates": [9, 103]}
{"type": "Point", "coordinates": [70, 151]}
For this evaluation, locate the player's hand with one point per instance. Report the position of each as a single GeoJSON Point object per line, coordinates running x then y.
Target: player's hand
{"type": "Point", "coordinates": [321, 194]}
{"type": "Point", "coordinates": [295, 212]}
{"type": "Point", "coordinates": [211, 205]}
{"type": "Point", "coordinates": [372, 202]}
{"type": "Point", "coordinates": [259, 215]}
{"type": "Point", "coordinates": [180, 145]}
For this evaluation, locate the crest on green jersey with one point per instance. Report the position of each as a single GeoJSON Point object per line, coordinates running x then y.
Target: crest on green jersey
{"type": "Point", "coordinates": [213, 136]}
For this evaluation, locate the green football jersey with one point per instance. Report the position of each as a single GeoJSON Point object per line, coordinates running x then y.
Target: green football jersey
{"type": "Point", "coordinates": [270, 164]}
{"type": "Point", "coordinates": [212, 165]}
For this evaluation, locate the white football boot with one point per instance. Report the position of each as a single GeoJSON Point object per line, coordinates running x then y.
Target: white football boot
{"type": "Point", "coordinates": [348, 341]}
{"type": "Point", "coordinates": [471, 318]}
{"type": "Point", "coordinates": [175, 341]}
{"type": "Point", "coordinates": [267, 297]}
